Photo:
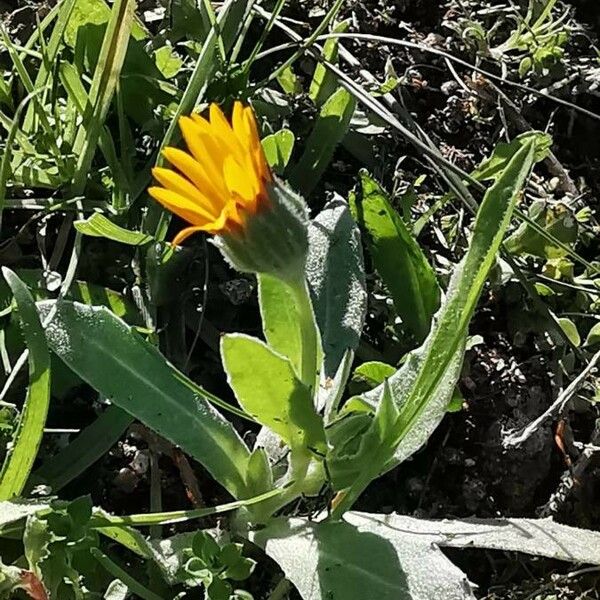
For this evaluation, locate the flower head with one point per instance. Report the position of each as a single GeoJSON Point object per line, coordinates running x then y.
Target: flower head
{"type": "Point", "coordinates": [224, 186]}
{"type": "Point", "coordinates": [221, 180]}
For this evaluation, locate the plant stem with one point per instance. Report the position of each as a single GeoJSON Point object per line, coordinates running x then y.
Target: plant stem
{"type": "Point", "coordinates": [308, 331]}
{"type": "Point", "coordinates": [295, 477]}
{"type": "Point", "coordinates": [350, 495]}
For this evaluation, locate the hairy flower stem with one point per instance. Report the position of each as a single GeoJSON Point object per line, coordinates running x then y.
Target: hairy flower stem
{"type": "Point", "coordinates": [299, 476]}
{"type": "Point", "coordinates": [308, 330]}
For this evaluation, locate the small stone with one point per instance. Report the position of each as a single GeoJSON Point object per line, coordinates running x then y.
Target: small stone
{"type": "Point", "coordinates": [126, 480]}
{"type": "Point", "coordinates": [449, 87]}
{"type": "Point", "coordinates": [140, 462]}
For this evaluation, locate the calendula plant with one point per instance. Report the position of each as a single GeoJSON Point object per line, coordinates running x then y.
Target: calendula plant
{"type": "Point", "coordinates": [312, 298]}
{"type": "Point", "coordinates": [292, 383]}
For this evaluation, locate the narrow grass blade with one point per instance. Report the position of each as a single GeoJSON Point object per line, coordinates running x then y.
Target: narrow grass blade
{"type": "Point", "coordinates": [116, 571]}
{"type": "Point", "coordinates": [19, 460]}
{"type": "Point", "coordinates": [104, 83]}
{"type": "Point", "coordinates": [329, 129]}
{"type": "Point", "coordinates": [180, 516]}
{"type": "Point", "coordinates": [56, 39]}
{"type": "Point", "coordinates": [30, 88]}
{"type": "Point", "coordinates": [6, 156]}
{"type": "Point", "coordinates": [327, 19]}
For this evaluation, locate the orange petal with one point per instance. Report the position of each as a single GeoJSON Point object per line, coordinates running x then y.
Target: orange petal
{"type": "Point", "coordinates": [220, 127]}
{"type": "Point", "coordinates": [240, 182]}
{"type": "Point", "coordinates": [258, 156]}
{"type": "Point", "coordinates": [181, 206]}
{"type": "Point", "coordinates": [240, 127]}
{"type": "Point", "coordinates": [203, 146]}
{"type": "Point", "coordinates": [180, 185]}
{"type": "Point", "coordinates": [213, 187]}
{"type": "Point", "coordinates": [185, 233]}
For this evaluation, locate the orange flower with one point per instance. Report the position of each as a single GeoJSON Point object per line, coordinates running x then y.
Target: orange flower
{"type": "Point", "coordinates": [223, 177]}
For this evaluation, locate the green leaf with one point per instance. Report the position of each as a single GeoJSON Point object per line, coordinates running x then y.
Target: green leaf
{"type": "Point", "coordinates": [15, 510]}
{"type": "Point", "coordinates": [397, 557]}
{"type": "Point", "coordinates": [167, 62]}
{"type": "Point", "coordinates": [360, 460]}
{"type": "Point", "coordinates": [81, 291]}
{"type": "Point", "coordinates": [525, 66]}
{"type": "Point", "coordinates": [336, 278]}
{"type": "Point", "coordinates": [91, 444]}
{"type": "Point", "coordinates": [543, 290]}
{"type": "Point", "coordinates": [398, 258]}
{"type": "Point", "coordinates": [278, 149]}
{"type": "Point", "coordinates": [493, 166]}
{"type": "Point", "coordinates": [230, 554]}
{"type": "Point", "coordinates": [457, 402]}
{"type": "Point", "coordinates": [570, 329]}
{"type": "Point", "coordinates": [289, 82]}
{"type": "Point", "coordinates": [205, 547]}
{"type": "Point", "coordinates": [219, 590]}
{"type": "Point", "coordinates": [240, 570]}
{"type": "Point", "coordinates": [344, 559]}
{"type": "Point", "coordinates": [556, 220]}
{"type": "Point", "coordinates": [424, 385]}
{"type": "Point", "coordinates": [259, 478]}
{"type": "Point", "coordinates": [111, 567]}
{"type": "Point", "coordinates": [20, 458]}
{"type": "Point", "coordinates": [329, 129]}
{"type": "Point", "coordinates": [36, 540]}
{"type": "Point", "coordinates": [100, 226]}
{"type": "Point", "coordinates": [11, 579]}
{"type": "Point", "coordinates": [281, 324]}
{"type": "Point", "coordinates": [324, 82]}
{"type": "Point", "coordinates": [373, 373]}
{"type": "Point", "coordinates": [121, 365]}
{"type": "Point", "coordinates": [593, 337]}
{"type": "Point", "coordinates": [128, 537]}
{"type": "Point", "coordinates": [266, 386]}
{"type": "Point", "coordinates": [103, 520]}
{"type": "Point", "coordinates": [94, 12]}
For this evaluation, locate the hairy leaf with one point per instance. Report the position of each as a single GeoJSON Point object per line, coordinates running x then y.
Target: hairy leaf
{"type": "Point", "coordinates": [266, 386]}
{"type": "Point", "coordinates": [398, 557]}
{"type": "Point", "coordinates": [336, 278]}
{"type": "Point", "coordinates": [129, 371]}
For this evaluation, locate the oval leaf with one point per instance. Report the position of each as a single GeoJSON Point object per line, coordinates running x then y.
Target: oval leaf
{"type": "Point", "coordinates": [336, 278]}
{"type": "Point", "coordinates": [266, 386]}
{"type": "Point", "coordinates": [125, 368]}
